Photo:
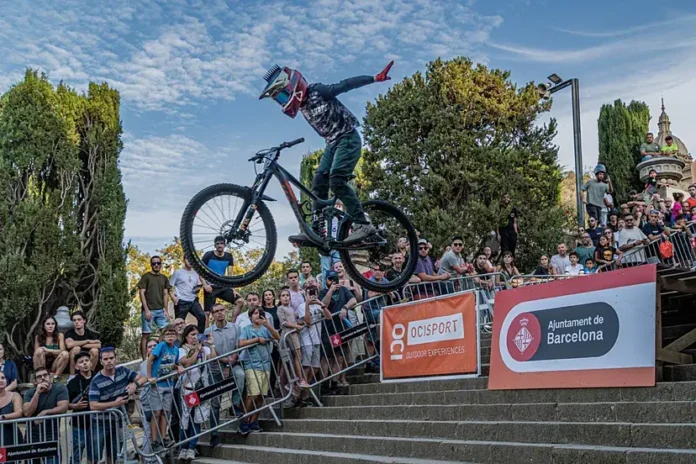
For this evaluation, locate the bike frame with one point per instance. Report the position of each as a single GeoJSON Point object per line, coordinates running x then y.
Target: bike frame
{"type": "Point", "coordinates": [287, 180]}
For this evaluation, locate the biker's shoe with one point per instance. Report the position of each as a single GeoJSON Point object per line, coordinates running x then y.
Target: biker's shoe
{"type": "Point", "coordinates": [299, 240]}
{"type": "Point", "coordinates": [360, 233]}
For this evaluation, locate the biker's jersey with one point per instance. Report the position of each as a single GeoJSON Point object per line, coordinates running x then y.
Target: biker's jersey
{"type": "Point", "coordinates": [326, 114]}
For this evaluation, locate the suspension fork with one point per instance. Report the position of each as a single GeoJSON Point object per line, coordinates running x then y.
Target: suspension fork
{"type": "Point", "coordinates": [241, 223]}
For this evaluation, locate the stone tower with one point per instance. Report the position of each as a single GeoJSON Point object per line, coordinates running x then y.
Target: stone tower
{"type": "Point", "coordinates": [664, 129]}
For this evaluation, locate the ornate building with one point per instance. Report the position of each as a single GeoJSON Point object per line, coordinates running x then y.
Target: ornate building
{"type": "Point", "coordinates": [678, 172]}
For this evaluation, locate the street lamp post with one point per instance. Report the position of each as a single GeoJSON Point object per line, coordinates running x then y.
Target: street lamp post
{"type": "Point", "coordinates": [545, 91]}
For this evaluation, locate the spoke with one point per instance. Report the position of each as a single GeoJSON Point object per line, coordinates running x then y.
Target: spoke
{"type": "Point", "coordinates": [213, 220]}
{"type": "Point", "coordinates": [206, 226]}
{"type": "Point", "coordinates": [219, 207]}
{"type": "Point", "coordinates": [259, 243]}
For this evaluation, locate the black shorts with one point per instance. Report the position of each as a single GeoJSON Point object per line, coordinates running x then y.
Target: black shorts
{"type": "Point", "coordinates": [224, 293]}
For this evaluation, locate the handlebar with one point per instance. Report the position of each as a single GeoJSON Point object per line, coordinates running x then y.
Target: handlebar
{"type": "Point", "coordinates": [260, 155]}
{"type": "Point", "coordinates": [291, 144]}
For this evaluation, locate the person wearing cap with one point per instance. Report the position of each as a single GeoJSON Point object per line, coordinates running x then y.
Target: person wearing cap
{"type": "Point", "coordinates": [670, 148]}
{"type": "Point", "coordinates": [595, 189]}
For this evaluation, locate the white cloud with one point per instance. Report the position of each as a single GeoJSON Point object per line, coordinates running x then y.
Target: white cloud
{"type": "Point", "coordinates": [652, 27]}
{"type": "Point", "coordinates": [164, 55]}
{"type": "Point", "coordinates": [603, 82]}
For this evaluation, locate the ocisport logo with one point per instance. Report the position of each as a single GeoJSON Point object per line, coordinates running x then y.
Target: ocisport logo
{"type": "Point", "coordinates": [435, 329]}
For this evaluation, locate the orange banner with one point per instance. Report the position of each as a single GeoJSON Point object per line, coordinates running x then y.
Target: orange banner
{"type": "Point", "coordinates": [430, 338]}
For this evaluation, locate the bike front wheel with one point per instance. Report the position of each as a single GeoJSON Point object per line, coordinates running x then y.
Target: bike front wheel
{"type": "Point", "coordinates": [395, 236]}
{"type": "Point", "coordinates": [210, 215]}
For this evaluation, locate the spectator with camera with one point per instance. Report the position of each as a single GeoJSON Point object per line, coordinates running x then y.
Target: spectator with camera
{"type": "Point", "coordinates": [313, 312]}
{"type": "Point", "coordinates": [196, 348]}
{"type": "Point", "coordinates": [338, 300]}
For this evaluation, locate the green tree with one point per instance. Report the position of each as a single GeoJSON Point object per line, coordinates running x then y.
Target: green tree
{"type": "Point", "coordinates": [446, 145]}
{"type": "Point", "coordinates": [622, 129]}
{"type": "Point", "coordinates": [62, 208]}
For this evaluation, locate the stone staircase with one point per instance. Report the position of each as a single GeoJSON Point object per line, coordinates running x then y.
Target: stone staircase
{"type": "Point", "coordinates": [461, 421]}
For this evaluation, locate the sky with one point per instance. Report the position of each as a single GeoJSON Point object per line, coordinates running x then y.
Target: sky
{"type": "Point", "coordinates": [190, 71]}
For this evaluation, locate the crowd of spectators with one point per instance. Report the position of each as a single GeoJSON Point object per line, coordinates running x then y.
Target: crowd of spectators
{"type": "Point", "coordinates": [310, 312]}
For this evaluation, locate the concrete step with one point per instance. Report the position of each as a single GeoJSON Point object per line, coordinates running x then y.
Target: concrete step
{"type": "Point", "coordinates": [679, 412]}
{"type": "Point", "coordinates": [429, 385]}
{"type": "Point", "coordinates": [433, 449]}
{"type": "Point", "coordinates": [202, 460]}
{"type": "Point", "coordinates": [681, 373]}
{"type": "Point", "coordinates": [265, 454]}
{"type": "Point", "coordinates": [672, 436]}
{"type": "Point", "coordinates": [679, 391]}
{"type": "Point", "coordinates": [359, 379]}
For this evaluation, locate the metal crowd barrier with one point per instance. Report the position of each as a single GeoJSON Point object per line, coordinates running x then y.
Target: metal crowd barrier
{"type": "Point", "coordinates": [525, 280]}
{"type": "Point", "coordinates": [485, 285]}
{"type": "Point", "coordinates": [65, 438]}
{"type": "Point", "coordinates": [209, 396]}
{"type": "Point", "coordinates": [331, 348]}
{"type": "Point", "coordinates": [683, 254]}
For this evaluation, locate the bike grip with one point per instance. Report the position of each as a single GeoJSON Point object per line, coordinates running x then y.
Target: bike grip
{"type": "Point", "coordinates": [293, 143]}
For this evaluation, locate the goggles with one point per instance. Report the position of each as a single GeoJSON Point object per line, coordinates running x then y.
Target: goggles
{"type": "Point", "coordinates": [287, 83]}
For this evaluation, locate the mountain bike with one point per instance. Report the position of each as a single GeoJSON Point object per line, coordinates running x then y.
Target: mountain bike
{"type": "Point", "coordinates": [241, 217]}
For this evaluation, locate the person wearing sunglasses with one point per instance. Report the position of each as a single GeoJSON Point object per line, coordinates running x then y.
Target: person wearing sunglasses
{"type": "Point", "coordinates": [153, 289]}
{"type": "Point", "coordinates": [452, 262]}
{"type": "Point", "coordinates": [337, 125]}
{"type": "Point", "coordinates": [630, 241]}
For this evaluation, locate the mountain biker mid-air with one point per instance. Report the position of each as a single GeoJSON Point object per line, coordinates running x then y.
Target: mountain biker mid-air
{"type": "Point", "coordinates": [338, 126]}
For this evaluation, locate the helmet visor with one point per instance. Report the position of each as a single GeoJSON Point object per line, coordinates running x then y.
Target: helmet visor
{"type": "Point", "coordinates": [283, 96]}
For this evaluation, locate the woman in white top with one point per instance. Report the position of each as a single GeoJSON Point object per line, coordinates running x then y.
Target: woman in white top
{"type": "Point", "coordinates": [290, 328]}
{"type": "Point", "coordinates": [194, 350]}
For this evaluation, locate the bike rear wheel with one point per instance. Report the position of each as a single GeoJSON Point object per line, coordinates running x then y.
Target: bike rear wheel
{"type": "Point", "coordinates": [211, 213]}
{"type": "Point", "coordinates": [392, 225]}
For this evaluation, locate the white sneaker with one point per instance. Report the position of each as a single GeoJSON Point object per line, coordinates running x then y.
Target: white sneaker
{"type": "Point", "coordinates": [191, 455]}
{"type": "Point", "coordinates": [183, 457]}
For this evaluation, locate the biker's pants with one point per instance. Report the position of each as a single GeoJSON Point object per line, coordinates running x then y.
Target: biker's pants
{"type": "Point", "coordinates": [335, 168]}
